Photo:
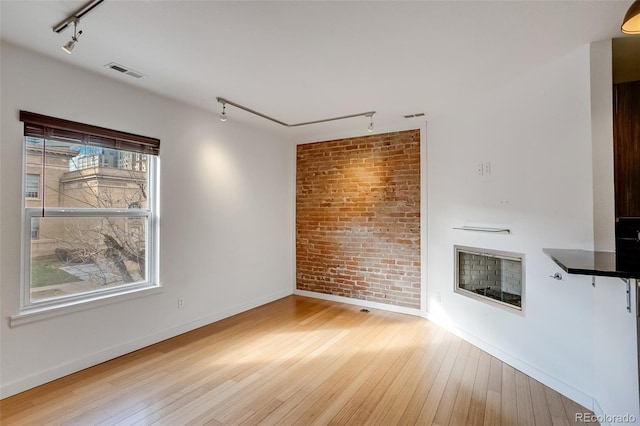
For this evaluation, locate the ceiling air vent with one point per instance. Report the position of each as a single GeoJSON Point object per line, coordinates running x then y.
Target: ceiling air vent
{"type": "Point", "coordinates": [124, 70]}
{"type": "Point", "coordinates": [420, 114]}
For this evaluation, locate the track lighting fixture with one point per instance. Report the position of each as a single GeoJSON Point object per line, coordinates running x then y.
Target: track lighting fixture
{"type": "Point", "coordinates": [631, 21]}
{"type": "Point", "coordinates": [223, 114]}
{"type": "Point", "coordinates": [75, 18]}
{"type": "Point", "coordinates": [74, 39]}
{"type": "Point", "coordinates": [370, 128]}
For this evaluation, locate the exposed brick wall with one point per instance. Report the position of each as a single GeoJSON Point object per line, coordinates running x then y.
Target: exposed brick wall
{"type": "Point", "coordinates": [358, 218]}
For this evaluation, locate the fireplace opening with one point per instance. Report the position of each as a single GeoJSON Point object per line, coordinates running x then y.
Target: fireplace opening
{"type": "Point", "coordinates": [492, 276]}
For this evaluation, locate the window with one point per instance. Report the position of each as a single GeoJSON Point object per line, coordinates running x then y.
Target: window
{"type": "Point", "coordinates": [93, 234]}
{"type": "Point", "coordinates": [32, 185]}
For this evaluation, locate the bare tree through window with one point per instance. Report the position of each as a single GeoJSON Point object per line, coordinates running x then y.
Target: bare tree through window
{"type": "Point", "coordinates": [95, 250]}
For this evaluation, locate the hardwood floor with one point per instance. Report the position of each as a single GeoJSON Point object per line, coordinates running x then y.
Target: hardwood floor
{"type": "Point", "coordinates": [299, 361]}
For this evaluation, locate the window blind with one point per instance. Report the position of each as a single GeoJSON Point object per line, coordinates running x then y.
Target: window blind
{"type": "Point", "coordinates": [52, 128]}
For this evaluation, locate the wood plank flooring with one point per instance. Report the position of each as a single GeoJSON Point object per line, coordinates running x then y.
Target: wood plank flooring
{"type": "Point", "coordinates": [299, 361]}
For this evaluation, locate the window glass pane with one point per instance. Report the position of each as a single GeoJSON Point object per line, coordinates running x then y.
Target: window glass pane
{"type": "Point", "coordinates": [80, 176]}
{"type": "Point", "coordinates": [79, 254]}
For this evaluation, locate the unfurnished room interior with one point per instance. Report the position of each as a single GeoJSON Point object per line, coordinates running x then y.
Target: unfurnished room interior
{"type": "Point", "coordinates": [313, 213]}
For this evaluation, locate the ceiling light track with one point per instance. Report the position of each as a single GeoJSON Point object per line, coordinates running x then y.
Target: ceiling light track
{"type": "Point", "coordinates": [74, 17]}
{"type": "Point", "coordinates": [226, 102]}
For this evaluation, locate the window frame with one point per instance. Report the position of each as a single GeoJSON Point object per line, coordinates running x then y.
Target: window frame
{"type": "Point", "coordinates": [31, 310]}
{"type": "Point", "coordinates": [150, 240]}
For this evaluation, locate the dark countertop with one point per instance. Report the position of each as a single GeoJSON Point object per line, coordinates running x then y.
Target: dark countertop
{"type": "Point", "coordinates": [587, 262]}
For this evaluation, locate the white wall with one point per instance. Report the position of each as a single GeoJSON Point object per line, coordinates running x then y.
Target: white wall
{"type": "Point", "coordinates": [535, 131]}
{"type": "Point", "coordinates": [225, 219]}
{"type": "Point", "coordinates": [602, 145]}
{"type": "Point", "coordinates": [614, 340]}
{"type": "Point", "coordinates": [227, 242]}
{"type": "Point", "coordinates": [615, 349]}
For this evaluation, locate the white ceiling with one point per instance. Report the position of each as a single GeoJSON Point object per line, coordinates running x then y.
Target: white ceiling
{"type": "Point", "coordinates": [307, 60]}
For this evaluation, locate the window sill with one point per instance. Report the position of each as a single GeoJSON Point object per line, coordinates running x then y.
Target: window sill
{"type": "Point", "coordinates": [39, 313]}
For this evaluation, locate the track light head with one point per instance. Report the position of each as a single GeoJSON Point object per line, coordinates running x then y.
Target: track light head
{"type": "Point", "coordinates": [370, 128]}
{"type": "Point", "coordinates": [223, 114]}
{"type": "Point", "coordinates": [68, 47]}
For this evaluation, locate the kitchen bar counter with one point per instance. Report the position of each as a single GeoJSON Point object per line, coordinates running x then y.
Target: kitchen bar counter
{"type": "Point", "coordinates": [594, 263]}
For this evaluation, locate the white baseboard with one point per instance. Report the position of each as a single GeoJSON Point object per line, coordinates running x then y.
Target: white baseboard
{"type": "Point", "coordinates": [555, 384]}
{"type": "Point", "coordinates": [61, 370]}
{"type": "Point", "coordinates": [359, 302]}
{"type": "Point", "coordinates": [599, 412]}
{"type": "Point", "coordinates": [528, 369]}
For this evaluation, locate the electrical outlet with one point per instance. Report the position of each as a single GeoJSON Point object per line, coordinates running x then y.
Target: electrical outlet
{"type": "Point", "coordinates": [438, 297]}
{"type": "Point", "coordinates": [487, 168]}
{"type": "Point", "coordinates": [480, 169]}
{"type": "Point", "coordinates": [180, 302]}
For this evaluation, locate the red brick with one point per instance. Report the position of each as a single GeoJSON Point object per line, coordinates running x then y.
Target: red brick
{"type": "Point", "coordinates": [358, 218]}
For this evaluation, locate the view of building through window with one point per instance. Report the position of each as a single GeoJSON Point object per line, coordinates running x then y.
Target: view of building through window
{"type": "Point", "coordinates": [88, 212]}
{"type": "Point", "coordinates": [32, 186]}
